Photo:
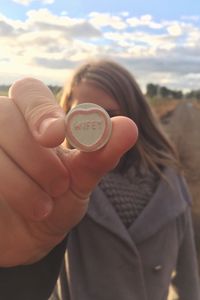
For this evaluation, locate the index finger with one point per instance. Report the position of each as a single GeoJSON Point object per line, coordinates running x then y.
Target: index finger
{"type": "Point", "coordinates": [40, 110]}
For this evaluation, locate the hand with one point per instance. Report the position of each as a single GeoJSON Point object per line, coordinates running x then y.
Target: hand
{"type": "Point", "coordinates": [44, 188]}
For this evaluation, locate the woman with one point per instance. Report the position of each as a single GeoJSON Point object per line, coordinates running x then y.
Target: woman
{"type": "Point", "coordinates": [137, 232]}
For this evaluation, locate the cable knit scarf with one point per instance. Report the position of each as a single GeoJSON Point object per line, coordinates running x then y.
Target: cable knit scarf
{"type": "Point", "coordinates": [129, 193]}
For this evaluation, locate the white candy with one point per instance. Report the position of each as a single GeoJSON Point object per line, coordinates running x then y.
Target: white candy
{"type": "Point", "coordinates": [88, 127]}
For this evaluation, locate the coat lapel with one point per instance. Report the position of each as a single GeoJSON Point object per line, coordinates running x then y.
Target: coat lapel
{"type": "Point", "coordinates": [170, 199]}
{"type": "Point", "coordinates": [103, 213]}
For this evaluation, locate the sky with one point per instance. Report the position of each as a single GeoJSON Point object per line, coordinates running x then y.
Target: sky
{"type": "Point", "coordinates": [158, 41]}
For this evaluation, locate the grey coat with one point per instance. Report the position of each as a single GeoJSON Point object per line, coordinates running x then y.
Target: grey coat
{"type": "Point", "coordinates": [109, 262]}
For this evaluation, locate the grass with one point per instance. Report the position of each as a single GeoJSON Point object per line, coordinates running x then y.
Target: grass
{"type": "Point", "coordinates": [3, 93]}
{"type": "Point", "coordinates": [163, 106]}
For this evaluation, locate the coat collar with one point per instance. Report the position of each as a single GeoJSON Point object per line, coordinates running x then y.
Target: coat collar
{"type": "Point", "coordinates": [169, 200]}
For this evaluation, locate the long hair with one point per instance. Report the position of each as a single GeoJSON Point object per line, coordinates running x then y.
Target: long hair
{"type": "Point", "coordinates": [153, 151]}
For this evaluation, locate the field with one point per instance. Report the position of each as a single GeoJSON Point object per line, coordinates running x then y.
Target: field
{"type": "Point", "coordinates": [3, 93]}
{"type": "Point", "coordinates": [163, 107]}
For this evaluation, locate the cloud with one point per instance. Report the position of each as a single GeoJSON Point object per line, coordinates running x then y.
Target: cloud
{"type": "Point", "coordinates": [174, 29]}
{"type": "Point", "coordinates": [48, 44]}
{"type": "Point", "coordinates": [54, 63]}
{"type": "Point", "coordinates": [83, 29]}
{"type": "Point", "coordinates": [100, 20]}
{"type": "Point", "coordinates": [176, 65]}
{"type": "Point", "coordinates": [10, 28]}
{"type": "Point", "coordinates": [191, 18]}
{"type": "Point", "coordinates": [175, 74]}
{"type": "Point", "coordinates": [44, 20]}
{"type": "Point", "coordinates": [28, 2]}
{"type": "Point", "coordinates": [6, 29]}
{"type": "Point", "coordinates": [145, 20]}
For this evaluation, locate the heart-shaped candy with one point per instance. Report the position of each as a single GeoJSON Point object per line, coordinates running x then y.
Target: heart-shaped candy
{"type": "Point", "coordinates": [88, 127]}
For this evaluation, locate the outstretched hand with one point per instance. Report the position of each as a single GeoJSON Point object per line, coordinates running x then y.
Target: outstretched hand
{"type": "Point", "coordinates": [45, 188]}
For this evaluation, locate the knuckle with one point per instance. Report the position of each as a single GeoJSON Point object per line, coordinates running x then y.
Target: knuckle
{"type": "Point", "coordinates": [34, 115]}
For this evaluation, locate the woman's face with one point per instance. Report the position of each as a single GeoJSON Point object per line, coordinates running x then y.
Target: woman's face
{"type": "Point", "coordinates": [86, 92]}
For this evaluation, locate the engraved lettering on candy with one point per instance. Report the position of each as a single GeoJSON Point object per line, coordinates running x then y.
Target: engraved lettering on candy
{"type": "Point", "coordinates": [88, 127]}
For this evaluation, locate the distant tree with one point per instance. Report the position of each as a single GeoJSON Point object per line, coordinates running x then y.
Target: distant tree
{"type": "Point", "coordinates": [4, 87]}
{"type": "Point", "coordinates": [194, 94]}
{"type": "Point", "coordinates": [4, 90]}
{"type": "Point", "coordinates": [198, 94]}
{"type": "Point", "coordinates": [177, 94]}
{"type": "Point", "coordinates": [165, 92]}
{"type": "Point", "coordinates": [152, 89]}
{"type": "Point", "coordinates": [55, 89]}
{"type": "Point", "coordinates": [155, 90]}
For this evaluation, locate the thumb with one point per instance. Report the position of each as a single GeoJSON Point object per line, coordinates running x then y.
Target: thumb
{"type": "Point", "coordinates": [86, 168]}
{"type": "Point", "coordinates": [44, 116]}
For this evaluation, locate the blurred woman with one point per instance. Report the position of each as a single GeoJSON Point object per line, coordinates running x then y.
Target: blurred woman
{"type": "Point", "coordinates": [137, 232]}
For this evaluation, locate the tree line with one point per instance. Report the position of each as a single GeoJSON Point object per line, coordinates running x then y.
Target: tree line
{"type": "Point", "coordinates": [155, 90]}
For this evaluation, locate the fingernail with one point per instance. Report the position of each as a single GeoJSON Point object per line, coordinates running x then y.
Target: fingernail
{"type": "Point", "coordinates": [59, 187]}
{"type": "Point", "coordinates": [42, 210]}
{"type": "Point", "coordinates": [46, 123]}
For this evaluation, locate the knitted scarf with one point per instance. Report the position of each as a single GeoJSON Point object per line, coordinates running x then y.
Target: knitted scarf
{"type": "Point", "coordinates": [129, 193]}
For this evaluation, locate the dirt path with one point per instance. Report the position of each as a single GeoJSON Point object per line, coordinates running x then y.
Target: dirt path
{"type": "Point", "coordinates": [183, 126]}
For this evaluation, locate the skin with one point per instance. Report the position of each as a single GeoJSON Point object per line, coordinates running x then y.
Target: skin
{"type": "Point", "coordinates": [44, 188]}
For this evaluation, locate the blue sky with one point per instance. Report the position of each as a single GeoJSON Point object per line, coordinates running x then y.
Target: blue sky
{"type": "Point", "coordinates": [159, 9]}
{"type": "Point", "coordinates": [159, 41]}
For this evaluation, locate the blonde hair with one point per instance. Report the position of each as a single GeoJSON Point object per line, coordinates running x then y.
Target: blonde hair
{"type": "Point", "coordinates": [153, 151]}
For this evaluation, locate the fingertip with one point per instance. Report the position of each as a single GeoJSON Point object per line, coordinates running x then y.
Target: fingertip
{"type": "Point", "coordinates": [130, 129]}
{"type": "Point", "coordinates": [124, 135]}
{"type": "Point", "coordinates": [123, 138]}
{"type": "Point", "coordinates": [41, 111]}
{"type": "Point", "coordinates": [21, 86]}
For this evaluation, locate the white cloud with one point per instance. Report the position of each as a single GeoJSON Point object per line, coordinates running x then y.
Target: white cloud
{"type": "Point", "coordinates": [50, 45]}
{"type": "Point", "coordinates": [124, 13]}
{"type": "Point", "coordinates": [28, 2]}
{"type": "Point", "coordinates": [145, 20]}
{"type": "Point", "coordinates": [48, 1]}
{"type": "Point", "coordinates": [174, 29]}
{"type": "Point", "coordinates": [46, 17]}
{"type": "Point", "coordinates": [105, 19]}
{"type": "Point", "coordinates": [23, 2]}
{"type": "Point", "coordinates": [191, 18]}
{"type": "Point", "coordinates": [148, 43]}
